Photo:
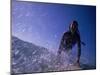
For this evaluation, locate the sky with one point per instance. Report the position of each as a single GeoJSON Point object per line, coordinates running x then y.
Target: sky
{"type": "Point", "coordinates": [43, 24]}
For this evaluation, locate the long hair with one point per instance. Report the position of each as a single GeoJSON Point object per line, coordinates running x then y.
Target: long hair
{"type": "Point", "coordinates": [75, 24]}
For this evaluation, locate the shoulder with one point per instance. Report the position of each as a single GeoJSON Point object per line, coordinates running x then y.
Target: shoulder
{"type": "Point", "coordinates": [68, 33]}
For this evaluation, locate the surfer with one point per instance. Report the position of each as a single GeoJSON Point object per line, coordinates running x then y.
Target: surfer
{"type": "Point", "coordinates": [70, 38]}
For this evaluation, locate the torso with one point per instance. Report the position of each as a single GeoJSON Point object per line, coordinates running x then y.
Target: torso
{"type": "Point", "coordinates": [70, 39]}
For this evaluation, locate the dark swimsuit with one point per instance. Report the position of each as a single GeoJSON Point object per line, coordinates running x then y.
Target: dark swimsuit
{"type": "Point", "coordinates": [69, 40]}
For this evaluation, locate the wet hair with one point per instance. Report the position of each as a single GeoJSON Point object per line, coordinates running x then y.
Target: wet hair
{"type": "Point", "coordinates": [75, 25]}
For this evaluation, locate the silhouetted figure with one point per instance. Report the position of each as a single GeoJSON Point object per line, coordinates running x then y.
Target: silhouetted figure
{"type": "Point", "coordinates": [70, 38]}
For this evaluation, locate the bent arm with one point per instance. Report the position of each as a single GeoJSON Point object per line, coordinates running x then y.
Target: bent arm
{"type": "Point", "coordinates": [61, 45]}
{"type": "Point", "coordinates": [79, 49]}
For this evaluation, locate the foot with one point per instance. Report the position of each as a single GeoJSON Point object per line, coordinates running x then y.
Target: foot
{"type": "Point", "coordinates": [77, 63]}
